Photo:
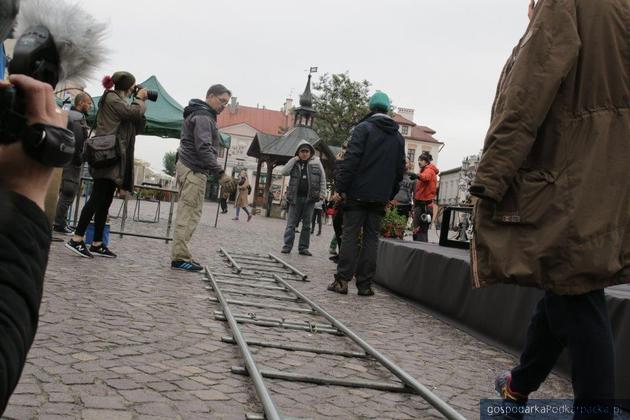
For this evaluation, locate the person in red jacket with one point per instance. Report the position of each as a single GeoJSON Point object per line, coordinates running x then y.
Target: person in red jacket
{"type": "Point", "coordinates": [426, 187]}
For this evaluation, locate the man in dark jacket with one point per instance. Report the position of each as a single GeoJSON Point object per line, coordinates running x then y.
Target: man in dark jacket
{"type": "Point", "coordinates": [24, 236]}
{"type": "Point", "coordinates": [71, 174]}
{"type": "Point", "coordinates": [369, 178]}
{"type": "Point", "coordinates": [554, 192]}
{"type": "Point", "coordinates": [197, 158]}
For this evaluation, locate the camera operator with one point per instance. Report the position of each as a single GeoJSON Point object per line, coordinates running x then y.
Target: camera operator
{"type": "Point", "coordinates": [25, 235]}
{"type": "Point", "coordinates": [115, 117]}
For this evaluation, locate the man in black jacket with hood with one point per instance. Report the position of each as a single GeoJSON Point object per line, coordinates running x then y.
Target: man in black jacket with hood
{"type": "Point", "coordinates": [369, 178]}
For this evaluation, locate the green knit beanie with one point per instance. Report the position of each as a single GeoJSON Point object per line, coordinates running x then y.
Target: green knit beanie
{"type": "Point", "coordinates": [379, 102]}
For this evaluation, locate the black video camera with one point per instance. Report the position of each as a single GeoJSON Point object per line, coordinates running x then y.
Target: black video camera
{"type": "Point", "coordinates": [35, 55]}
{"type": "Point", "coordinates": [152, 95]}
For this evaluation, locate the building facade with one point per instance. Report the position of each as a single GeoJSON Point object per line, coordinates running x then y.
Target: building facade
{"type": "Point", "coordinates": [454, 183]}
{"type": "Point", "coordinates": [418, 138]}
{"type": "Point", "coordinates": [242, 124]}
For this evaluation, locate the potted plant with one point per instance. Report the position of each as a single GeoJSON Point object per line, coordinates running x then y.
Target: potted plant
{"type": "Point", "coordinates": [393, 224]}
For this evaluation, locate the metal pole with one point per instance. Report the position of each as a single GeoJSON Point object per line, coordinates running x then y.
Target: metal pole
{"type": "Point", "coordinates": [124, 215]}
{"type": "Point", "coordinates": [423, 391]}
{"type": "Point", "coordinates": [170, 215]}
{"type": "Point", "coordinates": [290, 267]}
{"type": "Point", "coordinates": [264, 305]}
{"type": "Point", "coordinates": [138, 235]}
{"type": "Point", "coordinates": [296, 377]}
{"type": "Point", "coordinates": [216, 219]}
{"type": "Point", "coordinates": [290, 347]}
{"type": "Point", "coordinates": [229, 257]}
{"type": "Point", "coordinates": [269, 407]}
{"type": "Point", "coordinates": [77, 202]}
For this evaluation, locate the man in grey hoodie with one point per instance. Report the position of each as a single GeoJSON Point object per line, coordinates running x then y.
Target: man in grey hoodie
{"type": "Point", "coordinates": [197, 158]}
{"type": "Point", "coordinates": [307, 185]}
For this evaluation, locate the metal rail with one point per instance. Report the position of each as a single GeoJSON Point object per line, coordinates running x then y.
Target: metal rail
{"type": "Point", "coordinates": [316, 350]}
{"type": "Point", "coordinates": [408, 385]}
{"type": "Point", "coordinates": [281, 324]}
{"type": "Point", "coordinates": [265, 305]}
{"type": "Point", "coordinates": [263, 266]}
{"type": "Point", "coordinates": [274, 374]}
{"type": "Point", "coordinates": [257, 294]}
{"type": "Point", "coordinates": [229, 257]}
{"type": "Point", "coordinates": [290, 267]}
{"type": "Point", "coordinates": [304, 323]}
{"type": "Point", "coordinates": [423, 391]}
{"type": "Point", "coordinates": [271, 411]}
{"type": "Point", "coordinates": [251, 285]}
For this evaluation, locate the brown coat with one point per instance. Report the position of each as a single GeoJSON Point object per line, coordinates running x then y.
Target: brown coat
{"type": "Point", "coordinates": [553, 179]}
{"type": "Point", "coordinates": [117, 116]}
{"type": "Point", "coordinates": [242, 196]}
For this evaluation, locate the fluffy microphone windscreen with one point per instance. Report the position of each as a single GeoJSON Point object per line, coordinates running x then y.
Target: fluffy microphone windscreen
{"type": "Point", "coordinates": [78, 36]}
{"type": "Point", "coordinates": [8, 11]}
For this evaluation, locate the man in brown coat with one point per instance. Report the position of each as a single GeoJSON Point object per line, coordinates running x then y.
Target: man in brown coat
{"type": "Point", "coordinates": [554, 191]}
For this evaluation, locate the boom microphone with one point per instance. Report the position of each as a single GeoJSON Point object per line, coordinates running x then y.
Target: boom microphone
{"type": "Point", "coordinates": [56, 41]}
{"type": "Point", "coordinates": [8, 11]}
{"type": "Point", "coordinates": [77, 36]}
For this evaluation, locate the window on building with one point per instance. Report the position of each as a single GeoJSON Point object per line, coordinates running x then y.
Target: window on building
{"type": "Point", "coordinates": [411, 154]}
{"type": "Point", "coordinates": [404, 130]}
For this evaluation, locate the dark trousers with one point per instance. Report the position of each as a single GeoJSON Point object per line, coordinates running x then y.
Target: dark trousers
{"type": "Point", "coordinates": [352, 260]}
{"type": "Point", "coordinates": [420, 228]}
{"type": "Point", "coordinates": [67, 192]}
{"type": "Point", "coordinates": [403, 209]}
{"type": "Point", "coordinates": [317, 218]}
{"type": "Point", "coordinates": [223, 203]}
{"type": "Point", "coordinates": [581, 323]}
{"type": "Point", "coordinates": [301, 210]}
{"type": "Point", "coordinates": [97, 206]}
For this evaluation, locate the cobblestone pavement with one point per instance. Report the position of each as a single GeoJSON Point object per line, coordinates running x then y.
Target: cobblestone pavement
{"type": "Point", "coordinates": [132, 339]}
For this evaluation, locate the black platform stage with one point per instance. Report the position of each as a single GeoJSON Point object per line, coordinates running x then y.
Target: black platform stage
{"type": "Point", "coordinates": [439, 279]}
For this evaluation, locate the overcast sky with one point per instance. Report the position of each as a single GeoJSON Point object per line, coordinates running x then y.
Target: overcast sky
{"type": "Point", "coordinates": [440, 57]}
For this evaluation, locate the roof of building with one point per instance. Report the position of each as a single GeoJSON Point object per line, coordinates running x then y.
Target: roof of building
{"type": "Point", "coordinates": [262, 120]}
{"type": "Point", "coordinates": [283, 148]}
{"type": "Point", "coordinates": [422, 133]}
{"type": "Point", "coordinates": [402, 120]}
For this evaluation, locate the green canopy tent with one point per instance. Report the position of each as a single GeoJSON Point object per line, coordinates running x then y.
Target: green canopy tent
{"type": "Point", "coordinates": [165, 117]}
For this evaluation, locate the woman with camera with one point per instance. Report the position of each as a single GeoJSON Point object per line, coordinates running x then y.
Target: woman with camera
{"type": "Point", "coordinates": [119, 119]}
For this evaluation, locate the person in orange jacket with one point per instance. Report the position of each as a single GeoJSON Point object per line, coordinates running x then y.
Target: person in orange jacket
{"type": "Point", "coordinates": [425, 193]}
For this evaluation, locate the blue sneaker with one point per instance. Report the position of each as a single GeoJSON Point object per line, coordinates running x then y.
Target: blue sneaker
{"type": "Point", "coordinates": [186, 266]}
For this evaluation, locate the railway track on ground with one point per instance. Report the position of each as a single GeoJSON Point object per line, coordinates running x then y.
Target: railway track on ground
{"type": "Point", "coordinates": [256, 279]}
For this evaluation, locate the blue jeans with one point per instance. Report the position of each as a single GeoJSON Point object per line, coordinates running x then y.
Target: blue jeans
{"type": "Point", "coordinates": [238, 211]}
{"type": "Point", "coordinates": [302, 210]}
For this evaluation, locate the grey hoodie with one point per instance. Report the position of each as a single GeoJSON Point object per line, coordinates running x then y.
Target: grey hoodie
{"type": "Point", "coordinates": [199, 145]}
